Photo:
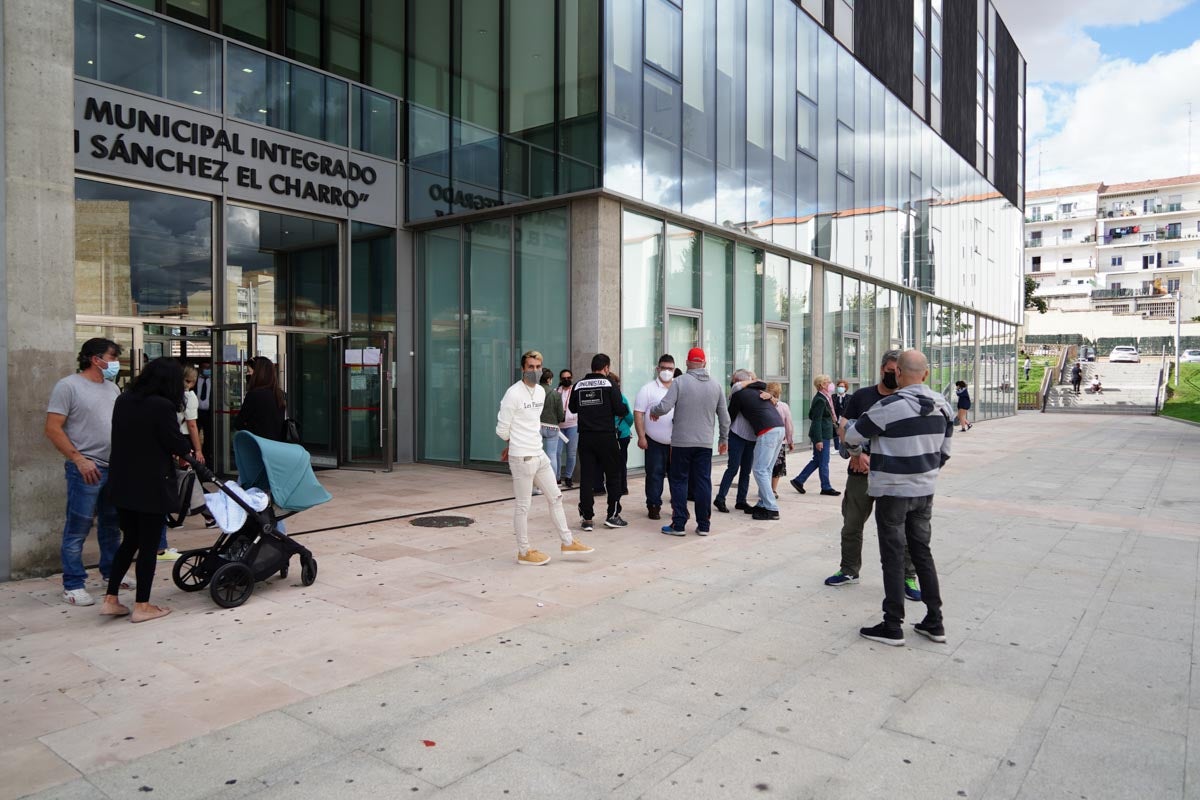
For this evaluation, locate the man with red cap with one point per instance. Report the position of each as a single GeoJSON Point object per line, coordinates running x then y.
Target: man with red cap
{"type": "Point", "coordinates": [699, 404]}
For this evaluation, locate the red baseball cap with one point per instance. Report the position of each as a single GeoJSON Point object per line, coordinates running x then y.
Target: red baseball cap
{"type": "Point", "coordinates": [696, 356]}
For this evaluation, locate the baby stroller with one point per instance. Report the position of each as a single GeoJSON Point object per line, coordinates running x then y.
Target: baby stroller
{"type": "Point", "coordinates": [257, 549]}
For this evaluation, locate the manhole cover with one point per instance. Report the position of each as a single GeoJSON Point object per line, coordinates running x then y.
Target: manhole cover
{"type": "Point", "coordinates": [442, 522]}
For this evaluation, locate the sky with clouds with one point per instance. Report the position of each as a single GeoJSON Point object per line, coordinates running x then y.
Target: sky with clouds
{"type": "Point", "coordinates": [1109, 84]}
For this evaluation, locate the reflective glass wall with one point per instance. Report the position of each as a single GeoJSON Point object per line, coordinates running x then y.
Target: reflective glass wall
{"type": "Point", "coordinates": [488, 291]}
{"type": "Point", "coordinates": [504, 102]}
{"type": "Point", "coordinates": [745, 307]}
{"type": "Point", "coordinates": [747, 114]}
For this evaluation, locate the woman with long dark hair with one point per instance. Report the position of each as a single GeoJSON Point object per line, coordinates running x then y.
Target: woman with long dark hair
{"type": "Point", "coordinates": [264, 406]}
{"type": "Point", "coordinates": [141, 478]}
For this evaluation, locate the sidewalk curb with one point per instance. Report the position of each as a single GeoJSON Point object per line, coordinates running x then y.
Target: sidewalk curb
{"type": "Point", "coordinates": [1161, 415]}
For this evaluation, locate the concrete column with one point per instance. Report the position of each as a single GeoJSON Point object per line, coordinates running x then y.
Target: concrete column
{"type": "Point", "coordinates": [817, 304]}
{"type": "Point", "coordinates": [918, 328]}
{"type": "Point", "coordinates": [39, 278]}
{"type": "Point", "coordinates": [595, 282]}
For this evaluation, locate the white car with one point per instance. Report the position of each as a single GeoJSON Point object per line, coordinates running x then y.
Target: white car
{"type": "Point", "coordinates": [1190, 356]}
{"type": "Point", "coordinates": [1124, 353]}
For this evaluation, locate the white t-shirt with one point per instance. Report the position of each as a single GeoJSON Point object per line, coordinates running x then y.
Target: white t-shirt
{"type": "Point", "coordinates": [191, 410]}
{"type": "Point", "coordinates": [647, 398]}
{"type": "Point", "coordinates": [520, 419]}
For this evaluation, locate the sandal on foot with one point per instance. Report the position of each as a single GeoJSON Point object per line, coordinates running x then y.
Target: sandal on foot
{"type": "Point", "coordinates": [146, 616]}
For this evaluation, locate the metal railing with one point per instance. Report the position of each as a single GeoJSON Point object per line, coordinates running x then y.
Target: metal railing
{"type": "Point", "coordinates": [1164, 372]}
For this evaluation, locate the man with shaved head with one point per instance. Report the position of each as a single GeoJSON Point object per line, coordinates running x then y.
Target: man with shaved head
{"type": "Point", "coordinates": [909, 433]}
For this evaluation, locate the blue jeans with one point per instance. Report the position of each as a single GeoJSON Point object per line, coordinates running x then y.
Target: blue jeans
{"type": "Point", "coordinates": [551, 444]}
{"type": "Point", "coordinates": [820, 461]}
{"type": "Point", "coordinates": [657, 457]}
{"type": "Point", "coordinates": [569, 449]}
{"type": "Point", "coordinates": [740, 463]}
{"type": "Point", "coordinates": [766, 450]}
{"type": "Point", "coordinates": [84, 503]}
{"type": "Point", "coordinates": [691, 469]}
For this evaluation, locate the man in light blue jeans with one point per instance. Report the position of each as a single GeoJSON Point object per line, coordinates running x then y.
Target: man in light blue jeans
{"type": "Point", "coordinates": [79, 425]}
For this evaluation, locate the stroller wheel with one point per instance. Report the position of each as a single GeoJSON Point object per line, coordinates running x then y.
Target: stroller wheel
{"type": "Point", "coordinates": [188, 571]}
{"type": "Point", "coordinates": [283, 573]}
{"type": "Point", "coordinates": [232, 584]}
{"type": "Point", "coordinates": [308, 572]}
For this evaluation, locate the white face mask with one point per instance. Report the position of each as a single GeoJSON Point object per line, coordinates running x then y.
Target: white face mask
{"type": "Point", "coordinates": [666, 375]}
{"type": "Point", "coordinates": [829, 387]}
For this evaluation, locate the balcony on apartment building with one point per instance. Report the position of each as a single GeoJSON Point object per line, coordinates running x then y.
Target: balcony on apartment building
{"type": "Point", "coordinates": [1059, 216]}
{"type": "Point", "coordinates": [1134, 235]}
{"type": "Point", "coordinates": [1058, 241]}
{"type": "Point", "coordinates": [1180, 207]}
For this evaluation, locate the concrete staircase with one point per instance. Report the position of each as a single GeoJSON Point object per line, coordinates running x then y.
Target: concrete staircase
{"type": "Point", "coordinates": [1128, 389]}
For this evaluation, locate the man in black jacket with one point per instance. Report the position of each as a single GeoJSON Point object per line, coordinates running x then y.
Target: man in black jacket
{"type": "Point", "coordinates": [598, 403]}
{"type": "Point", "coordinates": [766, 422]}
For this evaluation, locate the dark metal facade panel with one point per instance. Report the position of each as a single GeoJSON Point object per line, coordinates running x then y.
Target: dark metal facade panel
{"type": "Point", "coordinates": [958, 76]}
{"type": "Point", "coordinates": [1008, 75]}
{"type": "Point", "coordinates": [883, 42]}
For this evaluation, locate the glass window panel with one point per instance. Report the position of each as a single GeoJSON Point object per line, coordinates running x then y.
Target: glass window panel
{"type": "Point", "coordinates": [845, 155]}
{"type": "Point", "coordinates": [478, 97]}
{"type": "Point", "coordinates": [683, 267]}
{"type": "Point", "coordinates": [372, 278]}
{"type": "Point", "coordinates": [85, 38]}
{"type": "Point", "coordinates": [441, 345]}
{"type": "Point", "coordinates": [935, 74]}
{"type": "Point", "coordinates": [806, 57]}
{"type": "Point", "coordinates": [843, 22]}
{"type": "Point", "coordinates": [775, 289]}
{"type": "Point", "coordinates": [579, 104]}
{"type": "Point", "coordinates": [246, 20]}
{"type": "Point", "coordinates": [641, 292]}
{"type": "Point", "coordinates": [429, 55]}
{"type": "Point", "coordinates": [806, 125]}
{"type": "Point", "coordinates": [776, 355]}
{"type": "Point", "coordinates": [800, 346]}
{"type": "Point", "coordinates": [374, 123]}
{"type": "Point", "coordinates": [664, 48]}
{"type": "Point", "coordinates": [699, 109]}
{"type": "Point", "coordinates": [816, 8]}
{"type": "Point", "coordinates": [490, 360]}
{"type": "Point", "coordinates": [731, 111]}
{"type": "Point", "coordinates": [281, 269]}
{"type": "Point", "coordinates": [142, 254]}
{"type": "Point", "coordinates": [529, 67]}
{"type": "Point", "coordinates": [343, 27]}
{"type": "Point", "coordinates": [543, 286]}
{"type": "Point", "coordinates": [806, 202]}
{"type": "Point", "coordinates": [384, 38]}
{"type": "Point", "coordinates": [718, 309]}
{"type": "Point", "coordinates": [302, 27]}
{"type": "Point", "coordinates": [661, 179]}
{"type": "Point", "coordinates": [130, 50]}
{"type": "Point", "coordinates": [747, 308]}
{"type": "Point", "coordinates": [623, 92]}
{"type": "Point", "coordinates": [833, 323]}
{"type": "Point", "coordinates": [918, 53]}
{"type": "Point", "coordinates": [193, 68]}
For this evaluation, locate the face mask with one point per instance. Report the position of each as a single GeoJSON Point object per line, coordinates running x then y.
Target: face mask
{"type": "Point", "coordinates": [841, 390]}
{"type": "Point", "coordinates": [111, 368]}
{"type": "Point", "coordinates": [206, 372]}
{"type": "Point", "coordinates": [530, 376]}
{"type": "Point", "coordinates": [889, 380]}
{"type": "Point", "coordinates": [829, 388]}
{"type": "Point", "coordinates": [564, 381]}
{"type": "Point", "coordinates": [666, 375]}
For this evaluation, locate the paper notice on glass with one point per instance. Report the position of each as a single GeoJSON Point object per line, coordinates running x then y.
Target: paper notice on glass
{"type": "Point", "coordinates": [372, 356]}
{"type": "Point", "coordinates": [229, 353]}
{"type": "Point", "coordinates": [353, 357]}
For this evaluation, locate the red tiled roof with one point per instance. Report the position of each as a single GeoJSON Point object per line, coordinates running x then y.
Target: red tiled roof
{"type": "Point", "coordinates": [1077, 189]}
{"type": "Point", "coordinates": [1146, 186]}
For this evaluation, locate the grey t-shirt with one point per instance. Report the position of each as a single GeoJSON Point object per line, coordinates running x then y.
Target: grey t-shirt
{"type": "Point", "coordinates": [88, 407]}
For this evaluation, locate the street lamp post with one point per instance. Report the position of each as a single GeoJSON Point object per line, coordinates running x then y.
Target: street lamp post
{"type": "Point", "coordinates": [1178, 317]}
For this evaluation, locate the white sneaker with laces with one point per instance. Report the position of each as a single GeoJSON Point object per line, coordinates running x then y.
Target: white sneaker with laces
{"type": "Point", "coordinates": [78, 597]}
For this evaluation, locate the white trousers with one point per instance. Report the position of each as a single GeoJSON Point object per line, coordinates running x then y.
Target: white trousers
{"type": "Point", "coordinates": [528, 471]}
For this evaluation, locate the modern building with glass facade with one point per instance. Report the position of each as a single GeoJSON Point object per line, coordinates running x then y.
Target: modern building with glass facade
{"type": "Point", "coordinates": [392, 200]}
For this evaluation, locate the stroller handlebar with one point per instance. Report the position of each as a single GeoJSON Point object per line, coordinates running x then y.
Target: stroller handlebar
{"type": "Point", "coordinates": [202, 471]}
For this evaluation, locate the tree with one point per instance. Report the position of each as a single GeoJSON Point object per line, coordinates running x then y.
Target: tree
{"type": "Point", "coordinates": [1031, 300]}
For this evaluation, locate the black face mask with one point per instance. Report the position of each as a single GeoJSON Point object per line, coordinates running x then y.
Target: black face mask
{"type": "Point", "coordinates": [564, 381]}
{"type": "Point", "coordinates": [889, 380]}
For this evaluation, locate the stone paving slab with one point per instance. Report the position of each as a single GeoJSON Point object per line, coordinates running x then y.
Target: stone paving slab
{"type": "Point", "coordinates": [429, 665]}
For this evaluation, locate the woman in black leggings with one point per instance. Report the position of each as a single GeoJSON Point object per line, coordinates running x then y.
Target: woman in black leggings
{"type": "Point", "coordinates": [141, 478]}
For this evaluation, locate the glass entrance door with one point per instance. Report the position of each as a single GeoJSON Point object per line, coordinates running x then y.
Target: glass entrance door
{"type": "Point", "coordinates": [850, 361]}
{"type": "Point", "coordinates": [232, 347]}
{"type": "Point", "coordinates": [365, 399]}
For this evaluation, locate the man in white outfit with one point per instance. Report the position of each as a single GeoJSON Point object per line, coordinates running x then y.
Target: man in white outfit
{"type": "Point", "coordinates": [519, 423]}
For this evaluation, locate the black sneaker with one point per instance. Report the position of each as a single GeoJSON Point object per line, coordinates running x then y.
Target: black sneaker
{"type": "Point", "coordinates": [933, 631]}
{"type": "Point", "coordinates": [719, 504]}
{"type": "Point", "coordinates": [567, 483]}
{"type": "Point", "coordinates": [765, 513]}
{"type": "Point", "coordinates": [748, 509]}
{"type": "Point", "coordinates": [830, 492]}
{"type": "Point", "coordinates": [586, 525]}
{"type": "Point", "coordinates": [799, 487]}
{"type": "Point", "coordinates": [615, 521]}
{"type": "Point", "coordinates": [600, 491]}
{"type": "Point", "coordinates": [893, 637]}
{"type": "Point", "coordinates": [742, 506]}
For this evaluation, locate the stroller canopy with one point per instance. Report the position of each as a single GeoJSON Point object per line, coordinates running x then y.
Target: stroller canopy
{"type": "Point", "coordinates": [284, 470]}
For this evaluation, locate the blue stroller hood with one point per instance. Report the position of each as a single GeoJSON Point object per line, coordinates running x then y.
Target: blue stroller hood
{"type": "Point", "coordinates": [281, 469]}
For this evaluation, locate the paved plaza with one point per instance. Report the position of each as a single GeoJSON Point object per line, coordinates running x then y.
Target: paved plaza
{"type": "Point", "coordinates": [425, 663]}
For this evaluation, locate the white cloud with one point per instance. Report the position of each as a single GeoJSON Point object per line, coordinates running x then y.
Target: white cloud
{"type": "Point", "coordinates": [1127, 121]}
{"type": "Point", "coordinates": [1050, 33]}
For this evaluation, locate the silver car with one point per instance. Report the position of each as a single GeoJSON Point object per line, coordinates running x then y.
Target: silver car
{"type": "Point", "coordinates": [1190, 356]}
{"type": "Point", "coordinates": [1124, 353]}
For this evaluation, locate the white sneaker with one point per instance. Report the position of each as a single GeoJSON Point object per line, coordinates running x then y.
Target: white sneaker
{"type": "Point", "coordinates": [537, 492]}
{"type": "Point", "coordinates": [78, 597]}
{"type": "Point", "coordinates": [128, 583]}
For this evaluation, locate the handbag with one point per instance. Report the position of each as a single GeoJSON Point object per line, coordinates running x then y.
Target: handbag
{"type": "Point", "coordinates": [291, 431]}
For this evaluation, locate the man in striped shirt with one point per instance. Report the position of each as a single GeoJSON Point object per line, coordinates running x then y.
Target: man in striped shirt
{"type": "Point", "coordinates": [909, 432]}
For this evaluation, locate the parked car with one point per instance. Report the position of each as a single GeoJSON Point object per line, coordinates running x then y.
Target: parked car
{"type": "Point", "coordinates": [1124, 353]}
{"type": "Point", "coordinates": [1190, 356]}
{"type": "Point", "coordinates": [1087, 353]}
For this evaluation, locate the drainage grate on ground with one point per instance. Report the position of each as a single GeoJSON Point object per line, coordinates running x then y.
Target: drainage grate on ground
{"type": "Point", "coordinates": [443, 522]}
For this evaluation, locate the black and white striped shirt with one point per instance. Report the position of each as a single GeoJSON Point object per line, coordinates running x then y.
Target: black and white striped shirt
{"type": "Point", "coordinates": [909, 432]}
